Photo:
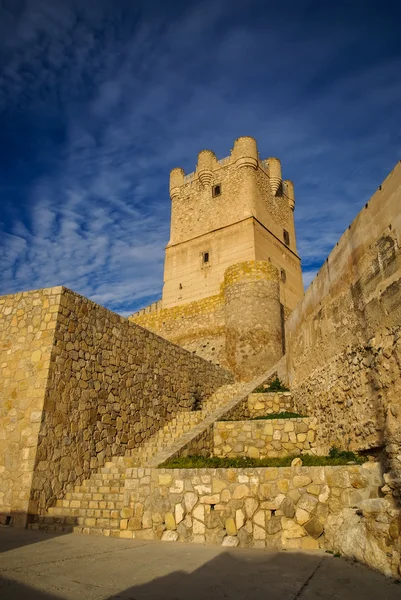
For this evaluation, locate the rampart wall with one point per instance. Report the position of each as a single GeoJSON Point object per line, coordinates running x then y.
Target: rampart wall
{"type": "Point", "coordinates": [344, 338]}
{"type": "Point", "coordinates": [240, 329]}
{"type": "Point", "coordinates": [27, 327]}
{"type": "Point", "coordinates": [80, 385]}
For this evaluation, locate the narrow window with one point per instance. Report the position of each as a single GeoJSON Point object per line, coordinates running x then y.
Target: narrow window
{"type": "Point", "coordinates": [205, 257]}
{"type": "Point", "coordinates": [283, 275]}
{"type": "Point", "coordinates": [216, 190]}
{"type": "Point", "coordinates": [286, 237]}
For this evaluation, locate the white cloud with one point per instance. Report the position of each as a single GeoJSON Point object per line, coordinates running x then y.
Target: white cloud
{"type": "Point", "coordinates": [137, 98]}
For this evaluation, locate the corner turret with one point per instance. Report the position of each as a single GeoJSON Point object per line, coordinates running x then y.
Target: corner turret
{"type": "Point", "coordinates": [176, 181]}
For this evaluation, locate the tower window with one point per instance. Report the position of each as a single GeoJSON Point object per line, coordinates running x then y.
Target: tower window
{"type": "Point", "coordinates": [216, 190]}
{"type": "Point", "coordinates": [205, 257]}
{"type": "Point", "coordinates": [283, 275]}
{"type": "Point", "coordinates": [286, 236]}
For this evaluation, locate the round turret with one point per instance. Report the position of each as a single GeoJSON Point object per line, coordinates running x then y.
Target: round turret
{"type": "Point", "coordinates": [274, 166]}
{"type": "Point", "coordinates": [245, 152]}
{"type": "Point", "coordinates": [176, 181]}
{"type": "Point", "coordinates": [289, 191]}
{"type": "Point", "coordinates": [206, 161]}
{"type": "Point", "coordinates": [254, 335]}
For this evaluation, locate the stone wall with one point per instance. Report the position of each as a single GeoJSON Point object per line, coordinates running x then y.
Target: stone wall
{"type": "Point", "coordinates": [343, 339]}
{"type": "Point", "coordinates": [267, 403]}
{"type": "Point", "coordinates": [111, 385]}
{"type": "Point", "coordinates": [27, 326]}
{"type": "Point", "coordinates": [196, 326]}
{"type": "Point", "coordinates": [240, 329]}
{"type": "Point", "coordinates": [288, 507]}
{"type": "Point", "coordinates": [264, 438]}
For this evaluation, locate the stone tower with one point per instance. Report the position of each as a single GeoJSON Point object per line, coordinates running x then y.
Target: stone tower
{"type": "Point", "coordinates": [226, 212]}
{"type": "Point", "coordinates": [232, 273]}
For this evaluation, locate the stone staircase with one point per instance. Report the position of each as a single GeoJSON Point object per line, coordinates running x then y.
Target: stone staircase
{"type": "Point", "coordinates": [97, 505]}
{"type": "Point", "coordinates": [184, 422]}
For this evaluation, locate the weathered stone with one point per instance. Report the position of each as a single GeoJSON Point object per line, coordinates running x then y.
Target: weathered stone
{"type": "Point", "coordinates": [251, 504]}
{"type": "Point", "coordinates": [291, 529]}
{"type": "Point", "coordinates": [230, 541]}
{"type": "Point", "coordinates": [230, 526]}
{"type": "Point", "coordinates": [190, 499]}
{"type": "Point", "coordinates": [179, 513]}
{"type": "Point", "coordinates": [170, 521]}
{"type": "Point", "coordinates": [239, 518]}
{"type": "Point", "coordinates": [169, 536]}
{"type": "Point", "coordinates": [241, 491]}
{"type": "Point", "coordinates": [308, 503]}
{"type": "Point", "coordinates": [314, 528]}
{"type": "Point", "coordinates": [301, 516]}
{"type": "Point", "coordinates": [288, 508]}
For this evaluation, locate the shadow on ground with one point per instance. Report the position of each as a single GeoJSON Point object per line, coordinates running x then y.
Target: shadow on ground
{"type": "Point", "coordinates": [237, 574]}
{"type": "Point", "coordinates": [15, 537]}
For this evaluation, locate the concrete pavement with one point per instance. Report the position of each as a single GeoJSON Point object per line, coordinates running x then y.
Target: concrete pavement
{"type": "Point", "coordinates": [40, 566]}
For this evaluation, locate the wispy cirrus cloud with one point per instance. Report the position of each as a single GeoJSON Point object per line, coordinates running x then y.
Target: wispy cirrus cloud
{"type": "Point", "coordinates": [98, 102]}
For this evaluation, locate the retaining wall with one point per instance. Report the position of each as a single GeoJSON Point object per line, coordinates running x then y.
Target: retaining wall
{"type": "Point", "coordinates": [264, 438]}
{"type": "Point", "coordinates": [288, 507]}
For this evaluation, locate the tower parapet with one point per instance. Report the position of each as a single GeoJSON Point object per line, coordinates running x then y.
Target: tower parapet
{"type": "Point", "coordinates": [289, 192]}
{"type": "Point", "coordinates": [274, 169]}
{"type": "Point", "coordinates": [176, 181]}
{"type": "Point", "coordinates": [245, 152]}
{"type": "Point", "coordinates": [206, 163]}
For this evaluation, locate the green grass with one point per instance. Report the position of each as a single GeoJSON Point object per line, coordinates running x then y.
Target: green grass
{"type": "Point", "coordinates": [214, 462]}
{"type": "Point", "coordinates": [274, 386]}
{"type": "Point", "coordinates": [281, 415]}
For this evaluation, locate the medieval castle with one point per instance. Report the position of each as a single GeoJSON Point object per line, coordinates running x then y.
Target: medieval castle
{"type": "Point", "coordinates": [94, 407]}
{"type": "Point", "coordinates": [232, 273]}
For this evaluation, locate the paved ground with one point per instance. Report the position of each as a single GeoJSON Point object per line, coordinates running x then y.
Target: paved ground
{"type": "Point", "coordinates": [38, 566]}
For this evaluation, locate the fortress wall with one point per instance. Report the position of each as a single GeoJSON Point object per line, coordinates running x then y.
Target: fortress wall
{"type": "Point", "coordinates": [196, 326]}
{"type": "Point", "coordinates": [344, 337]}
{"type": "Point", "coordinates": [239, 329]}
{"type": "Point", "coordinates": [111, 385]}
{"type": "Point", "coordinates": [27, 327]}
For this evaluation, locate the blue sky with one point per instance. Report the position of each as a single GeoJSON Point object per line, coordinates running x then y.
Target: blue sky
{"type": "Point", "coordinates": [100, 99]}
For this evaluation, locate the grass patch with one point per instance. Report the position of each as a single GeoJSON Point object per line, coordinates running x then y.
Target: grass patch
{"type": "Point", "coordinates": [280, 415]}
{"type": "Point", "coordinates": [214, 462]}
{"type": "Point", "coordinates": [274, 386]}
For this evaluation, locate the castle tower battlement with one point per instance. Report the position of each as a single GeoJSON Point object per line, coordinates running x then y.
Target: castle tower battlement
{"type": "Point", "coordinates": [225, 212]}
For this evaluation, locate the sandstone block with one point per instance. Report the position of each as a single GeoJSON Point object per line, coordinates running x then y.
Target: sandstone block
{"type": "Point", "coordinates": [230, 541]}
{"type": "Point", "coordinates": [170, 536]}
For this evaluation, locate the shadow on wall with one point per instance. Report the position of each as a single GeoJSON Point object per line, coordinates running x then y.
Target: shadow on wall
{"type": "Point", "coordinates": [237, 575]}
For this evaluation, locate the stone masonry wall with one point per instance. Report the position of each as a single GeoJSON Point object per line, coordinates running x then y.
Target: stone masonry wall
{"type": "Point", "coordinates": [343, 339]}
{"type": "Point", "coordinates": [111, 385]}
{"type": "Point", "coordinates": [240, 329]}
{"type": "Point", "coordinates": [288, 507]}
{"type": "Point", "coordinates": [196, 326]}
{"type": "Point", "coordinates": [269, 438]}
{"type": "Point", "coordinates": [27, 326]}
{"type": "Point", "coordinates": [266, 403]}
